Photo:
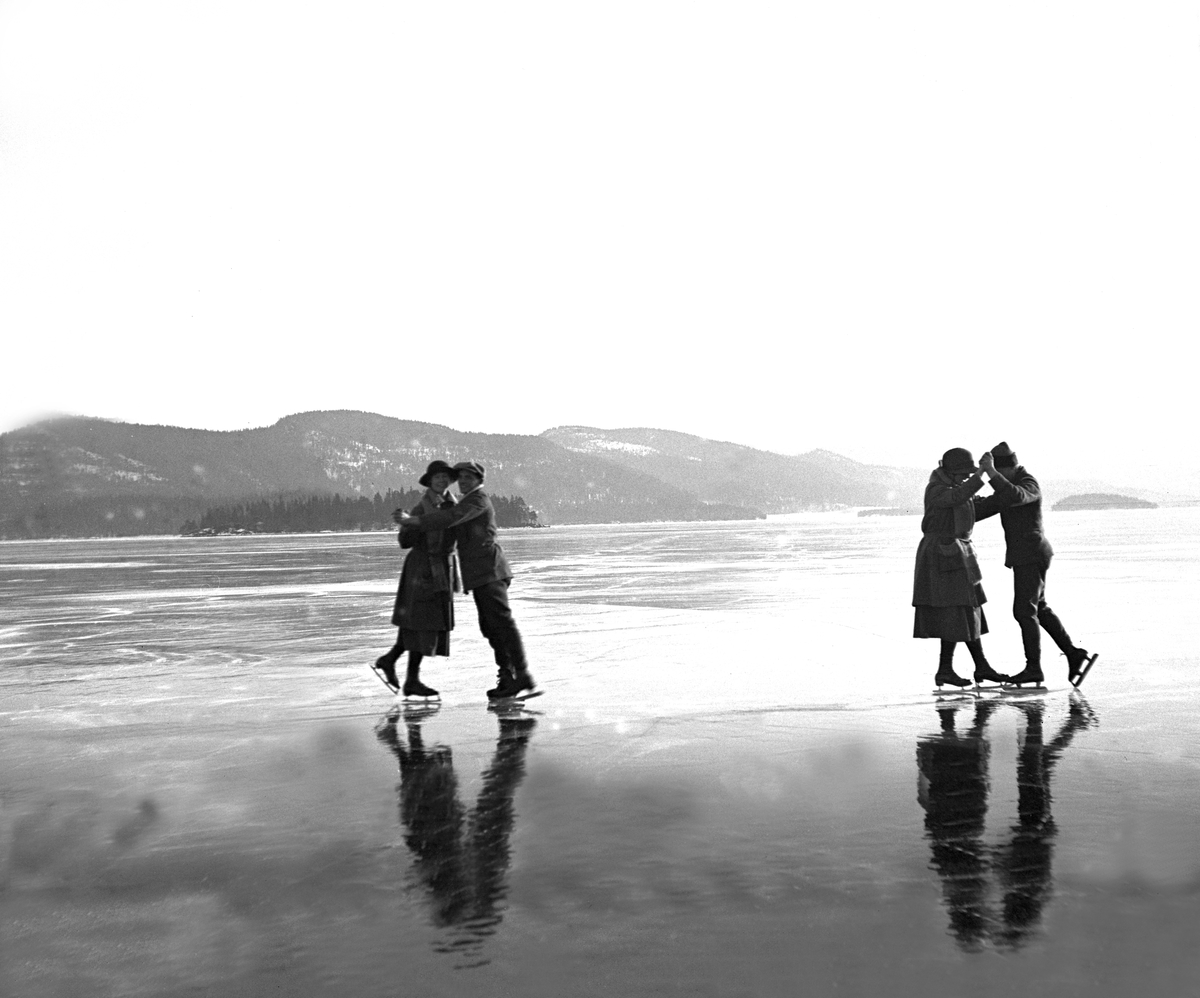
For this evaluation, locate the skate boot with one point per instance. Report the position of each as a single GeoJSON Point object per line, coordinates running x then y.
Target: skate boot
{"type": "Point", "coordinates": [1031, 675]}
{"type": "Point", "coordinates": [503, 681]}
{"type": "Point", "coordinates": [1079, 662]}
{"type": "Point", "coordinates": [416, 689]}
{"type": "Point", "coordinates": [986, 674]}
{"type": "Point", "coordinates": [385, 669]}
{"type": "Point", "coordinates": [520, 686]}
{"type": "Point", "coordinates": [951, 677]}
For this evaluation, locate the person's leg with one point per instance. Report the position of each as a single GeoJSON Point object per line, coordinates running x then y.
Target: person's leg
{"type": "Point", "coordinates": [946, 673]}
{"type": "Point", "coordinates": [498, 626]}
{"type": "Point", "coordinates": [385, 665]}
{"type": "Point", "coordinates": [413, 687]}
{"type": "Point", "coordinates": [1028, 584]}
{"type": "Point", "coordinates": [1058, 634]}
{"type": "Point", "coordinates": [484, 602]}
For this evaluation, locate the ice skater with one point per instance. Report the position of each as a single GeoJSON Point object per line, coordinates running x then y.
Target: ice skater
{"type": "Point", "coordinates": [424, 608]}
{"type": "Point", "coordinates": [486, 575]}
{"type": "Point", "coordinates": [1018, 500]}
{"type": "Point", "coordinates": [947, 593]}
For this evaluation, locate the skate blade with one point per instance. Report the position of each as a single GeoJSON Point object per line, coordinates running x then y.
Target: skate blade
{"type": "Point", "coordinates": [519, 697]}
{"type": "Point", "coordinates": [1087, 667]}
{"type": "Point", "coordinates": [418, 700]}
{"type": "Point", "coordinates": [954, 691]}
{"type": "Point", "coordinates": [512, 708]}
{"type": "Point", "coordinates": [1025, 689]}
{"type": "Point", "coordinates": [383, 679]}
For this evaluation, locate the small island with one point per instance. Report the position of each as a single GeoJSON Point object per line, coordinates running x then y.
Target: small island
{"type": "Point", "coordinates": [1102, 500]}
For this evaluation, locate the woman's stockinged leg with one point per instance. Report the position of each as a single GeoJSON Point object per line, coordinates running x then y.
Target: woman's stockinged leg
{"type": "Point", "coordinates": [413, 687]}
{"type": "Point", "coordinates": [946, 657]}
{"type": "Point", "coordinates": [945, 673]}
{"type": "Point", "coordinates": [413, 675]}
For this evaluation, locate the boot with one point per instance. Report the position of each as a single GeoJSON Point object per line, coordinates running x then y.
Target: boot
{"type": "Point", "coordinates": [520, 686]}
{"type": "Point", "coordinates": [416, 688]}
{"type": "Point", "coordinates": [1030, 675]}
{"type": "Point", "coordinates": [504, 679]}
{"type": "Point", "coordinates": [385, 669]}
{"type": "Point", "coordinates": [945, 670]}
{"type": "Point", "coordinates": [985, 673]}
{"type": "Point", "coordinates": [1077, 658]}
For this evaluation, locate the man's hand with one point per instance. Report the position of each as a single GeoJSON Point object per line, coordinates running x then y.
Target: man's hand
{"type": "Point", "coordinates": [986, 462]}
{"type": "Point", "coordinates": [402, 518]}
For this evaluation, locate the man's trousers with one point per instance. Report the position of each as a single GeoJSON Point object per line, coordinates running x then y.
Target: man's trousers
{"type": "Point", "coordinates": [497, 625]}
{"type": "Point", "coordinates": [1032, 614]}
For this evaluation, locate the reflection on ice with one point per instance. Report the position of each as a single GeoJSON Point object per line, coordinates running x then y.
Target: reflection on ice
{"type": "Point", "coordinates": [461, 855]}
{"type": "Point", "coordinates": [953, 789]}
{"type": "Point", "coordinates": [196, 797]}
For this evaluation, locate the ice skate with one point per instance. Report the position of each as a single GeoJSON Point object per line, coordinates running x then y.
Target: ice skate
{"type": "Point", "coordinates": [503, 681]}
{"type": "Point", "coordinates": [950, 677]}
{"type": "Point", "coordinates": [1029, 676]}
{"type": "Point", "coordinates": [385, 669]}
{"type": "Point", "coordinates": [518, 687]}
{"type": "Point", "coordinates": [414, 689]}
{"type": "Point", "coordinates": [1079, 665]}
{"type": "Point", "coordinates": [986, 674]}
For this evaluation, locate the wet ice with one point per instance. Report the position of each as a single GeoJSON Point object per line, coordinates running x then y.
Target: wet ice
{"type": "Point", "coordinates": [728, 786]}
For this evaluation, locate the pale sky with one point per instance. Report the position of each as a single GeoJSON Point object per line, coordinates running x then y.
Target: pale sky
{"type": "Point", "coordinates": [880, 228]}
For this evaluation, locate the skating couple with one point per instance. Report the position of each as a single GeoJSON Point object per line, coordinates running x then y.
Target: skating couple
{"type": "Point", "coordinates": [440, 533]}
{"type": "Point", "coordinates": [946, 584]}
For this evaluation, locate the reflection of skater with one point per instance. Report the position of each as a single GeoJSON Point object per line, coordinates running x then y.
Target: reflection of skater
{"type": "Point", "coordinates": [424, 609]}
{"type": "Point", "coordinates": [462, 857]}
{"type": "Point", "coordinates": [946, 582]}
{"type": "Point", "coordinates": [1024, 864]}
{"type": "Point", "coordinates": [486, 576]}
{"type": "Point", "coordinates": [1018, 500]}
{"type": "Point", "coordinates": [953, 790]}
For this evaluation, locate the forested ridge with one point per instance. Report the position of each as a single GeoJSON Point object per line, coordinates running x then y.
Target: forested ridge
{"type": "Point", "coordinates": [309, 514]}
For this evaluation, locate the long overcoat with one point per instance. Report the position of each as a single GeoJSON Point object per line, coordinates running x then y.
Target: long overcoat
{"type": "Point", "coordinates": [429, 578]}
{"type": "Point", "coordinates": [947, 572]}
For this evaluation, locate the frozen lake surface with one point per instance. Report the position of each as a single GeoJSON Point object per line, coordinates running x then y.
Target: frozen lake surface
{"type": "Point", "coordinates": [737, 783]}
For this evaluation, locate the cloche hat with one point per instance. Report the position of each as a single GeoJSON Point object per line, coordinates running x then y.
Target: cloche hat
{"type": "Point", "coordinates": [433, 469]}
{"type": "Point", "coordinates": [958, 460]}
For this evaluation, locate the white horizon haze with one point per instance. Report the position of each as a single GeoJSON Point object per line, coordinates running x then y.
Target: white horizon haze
{"type": "Point", "coordinates": [880, 230]}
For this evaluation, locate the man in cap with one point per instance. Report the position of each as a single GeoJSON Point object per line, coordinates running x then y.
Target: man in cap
{"type": "Point", "coordinates": [485, 575]}
{"type": "Point", "coordinates": [1018, 500]}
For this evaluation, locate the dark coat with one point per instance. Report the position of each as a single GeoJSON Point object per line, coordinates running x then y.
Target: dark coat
{"type": "Point", "coordinates": [473, 523]}
{"type": "Point", "coordinates": [947, 572]}
{"type": "Point", "coordinates": [1019, 504]}
{"type": "Point", "coordinates": [425, 596]}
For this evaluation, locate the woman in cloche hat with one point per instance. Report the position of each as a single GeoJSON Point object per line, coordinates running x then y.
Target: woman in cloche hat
{"type": "Point", "coordinates": [424, 609]}
{"type": "Point", "coordinates": [947, 593]}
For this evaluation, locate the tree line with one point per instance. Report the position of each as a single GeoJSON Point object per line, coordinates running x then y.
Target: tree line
{"type": "Point", "coordinates": [310, 514]}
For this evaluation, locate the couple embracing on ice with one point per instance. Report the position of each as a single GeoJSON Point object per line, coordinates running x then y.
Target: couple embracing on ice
{"type": "Point", "coordinates": [441, 533]}
{"type": "Point", "coordinates": [947, 593]}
